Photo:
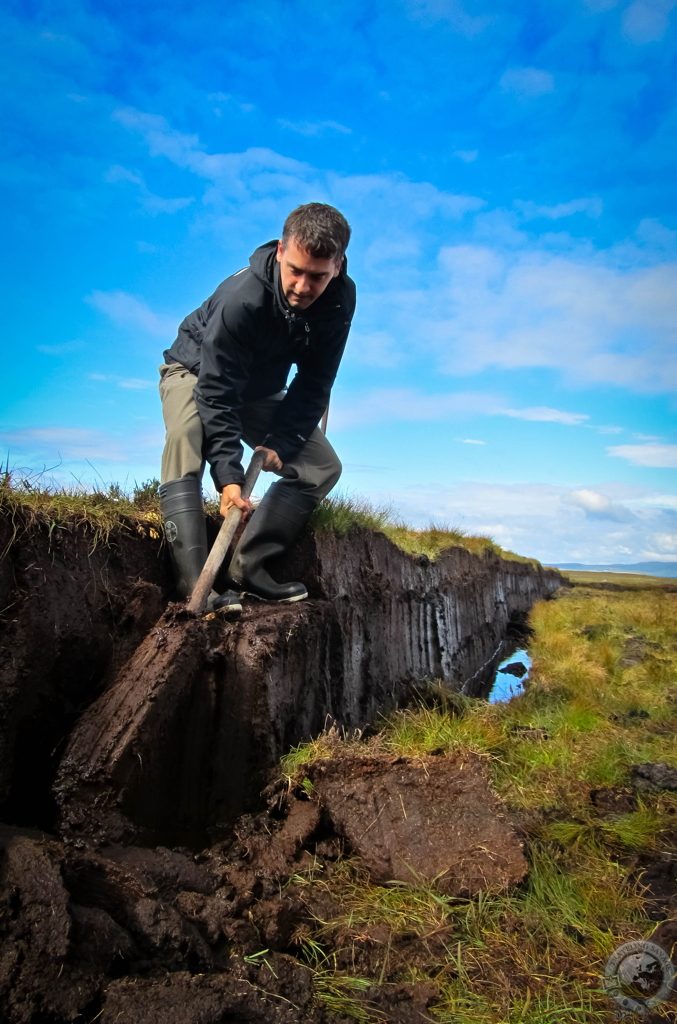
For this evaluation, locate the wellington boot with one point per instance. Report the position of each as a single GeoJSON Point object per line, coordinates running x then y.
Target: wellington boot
{"type": "Point", "coordinates": [272, 529]}
{"type": "Point", "coordinates": [186, 532]}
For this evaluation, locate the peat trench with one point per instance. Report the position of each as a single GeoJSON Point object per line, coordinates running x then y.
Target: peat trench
{"type": "Point", "coordinates": [128, 729]}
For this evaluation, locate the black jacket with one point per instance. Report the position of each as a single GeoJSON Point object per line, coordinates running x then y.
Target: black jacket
{"type": "Point", "coordinates": [242, 342]}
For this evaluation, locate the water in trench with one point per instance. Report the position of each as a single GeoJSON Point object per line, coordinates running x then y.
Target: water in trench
{"type": "Point", "coordinates": [511, 675]}
{"type": "Point", "coordinates": [505, 673]}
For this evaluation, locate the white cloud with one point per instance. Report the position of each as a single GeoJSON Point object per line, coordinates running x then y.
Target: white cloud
{"type": "Point", "coordinates": [453, 13]}
{"type": "Point", "coordinates": [656, 234]}
{"type": "Point", "coordinates": [592, 501]}
{"type": "Point", "coordinates": [51, 443]}
{"type": "Point", "coordinates": [657, 456]}
{"type": "Point", "coordinates": [527, 81]}
{"type": "Point", "coordinates": [151, 203]}
{"type": "Point", "coordinates": [472, 440]}
{"type": "Point", "coordinates": [409, 404]}
{"type": "Point", "coordinates": [127, 310]}
{"type": "Point", "coordinates": [647, 21]}
{"type": "Point", "coordinates": [468, 156]}
{"type": "Point", "coordinates": [60, 348]}
{"type": "Point", "coordinates": [406, 405]}
{"type": "Point", "coordinates": [231, 171]}
{"type": "Point", "coordinates": [588, 319]}
{"type": "Point", "coordinates": [499, 230]}
{"type": "Point", "coordinates": [375, 348]}
{"type": "Point", "coordinates": [552, 523]}
{"type": "Point", "coordinates": [126, 383]}
{"type": "Point", "coordinates": [659, 556]}
{"type": "Point", "coordinates": [601, 5]}
{"type": "Point", "coordinates": [135, 384]}
{"type": "Point", "coordinates": [503, 305]}
{"type": "Point", "coordinates": [221, 99]}
{"type": "Point", "coordinates": [395, 247]}
{"type": "Point", "coordinates": [591, 207]}
{"type": "Point", "coordinates": [544, 414]}
{"type": "Point", "coordinates": [522, 517]}
{"type": "Point", "coordinates": [665, 544]}
{"type": "Point", "coordinates": [656, 501]}
{"type": "Point", "coordinates": [315, 128]}
{"type": "Point", "coordinates": [405, 198]}
{"type": "Point", "coordinates": [61, 456]}
{"type": "Point", "coordinates": [598, 506]}
{"type": "Point", "coordinates": [256, 173]}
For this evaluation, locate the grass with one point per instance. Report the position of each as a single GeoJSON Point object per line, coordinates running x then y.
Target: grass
{"type": "Point", "coordinates": [588, 577]}
{"type": "Point", "coordinates": [319, 749]}
{"type": "Point", "coordinates": [497, 958]}
{"type": "Point", "coordinates": [477, 728]}
{"type": "Point", "coordinates": [29, 499]}
{"type": "Point", "coordinates": [602, 697]}
{"type": "Point", "coordinates": [336, 990]}
{"type": "Point", "coordinates": [26, 501]}
{"type": "Point", "coordinates": [342, 514]}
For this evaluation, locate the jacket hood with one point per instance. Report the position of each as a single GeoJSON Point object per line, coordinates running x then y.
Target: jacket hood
{"type": "Point", "coordinates": [263, 263]}
{"type": "Point", "coordinates": [266, 269]}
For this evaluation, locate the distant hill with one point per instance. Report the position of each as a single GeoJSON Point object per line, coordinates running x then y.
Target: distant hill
{"type": "Point", "coordinates": [667, 569]}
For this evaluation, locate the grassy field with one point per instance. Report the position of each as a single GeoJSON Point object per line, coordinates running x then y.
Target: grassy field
{"type": "Point", "coordinates": [602, 698]}
{"type": "Point", "coordinates": [619, 579]}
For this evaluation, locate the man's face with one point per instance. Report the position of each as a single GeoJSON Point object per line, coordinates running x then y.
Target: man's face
{"type": "Point", "coordinates": [303, 277]}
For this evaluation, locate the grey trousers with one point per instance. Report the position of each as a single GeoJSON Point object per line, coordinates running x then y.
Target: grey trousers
{"type": "Point", "coordinates": [314, 470]}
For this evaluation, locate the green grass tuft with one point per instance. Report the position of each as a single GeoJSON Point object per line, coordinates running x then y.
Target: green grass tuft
{"type": "Point", "coordinates": [341, 514]}
{"type": "Point", "coordinates": [28, 502]}
{"type": "Point", "coordinates": [29, 499]}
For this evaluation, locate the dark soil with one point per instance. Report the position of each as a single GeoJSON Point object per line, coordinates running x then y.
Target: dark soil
{"type": "Point", "coordinates": [422, 820]}
{"type": "Point", "coordinates": [125, 720]}
{"type": "Point", "coordinates": [156, 934]}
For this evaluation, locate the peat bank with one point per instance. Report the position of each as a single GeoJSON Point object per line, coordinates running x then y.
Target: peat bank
{"type": "Point", "coordinates": [144, 875]}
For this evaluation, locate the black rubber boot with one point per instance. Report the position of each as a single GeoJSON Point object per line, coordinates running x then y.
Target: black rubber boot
{"type": "Point", "coordinates": [272, 529]}
{"type": "Point", "coordinates": [186, 532]}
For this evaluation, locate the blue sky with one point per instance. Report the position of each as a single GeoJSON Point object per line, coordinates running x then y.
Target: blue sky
{"type": "Point", "coordinates": [509, 171]}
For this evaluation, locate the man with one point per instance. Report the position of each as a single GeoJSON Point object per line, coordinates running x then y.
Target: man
{"type": "Point", "coordinates": [224, 382]}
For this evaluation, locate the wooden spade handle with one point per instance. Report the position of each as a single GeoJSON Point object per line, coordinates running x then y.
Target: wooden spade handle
{"type": "Point", "coordinates": [203, 587]}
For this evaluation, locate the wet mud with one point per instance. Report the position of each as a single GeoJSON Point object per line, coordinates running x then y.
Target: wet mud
{"type": "Point", "coordinates": [146, 934]}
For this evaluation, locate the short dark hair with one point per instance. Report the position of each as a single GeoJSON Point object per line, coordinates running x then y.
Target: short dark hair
{"type": "Point", "coordinates": [319, 229]}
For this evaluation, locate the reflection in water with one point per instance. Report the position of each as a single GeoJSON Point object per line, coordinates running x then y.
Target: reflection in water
{"type": "Point", "coordinates": [510, 683]}
{"type": "Point", "coordinates": [491, 682]}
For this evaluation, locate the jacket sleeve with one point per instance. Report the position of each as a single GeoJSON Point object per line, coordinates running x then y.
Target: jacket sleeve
{"type": "Point", "coordinates": [308, 394]}
{"type": "Point", "coordinates": [225, 366]}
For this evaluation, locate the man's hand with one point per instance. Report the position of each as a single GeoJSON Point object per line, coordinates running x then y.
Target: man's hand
{"type": "Point", "coordinates": [272, 462]}
{"type": "Point", "coordinates": [231, 497]}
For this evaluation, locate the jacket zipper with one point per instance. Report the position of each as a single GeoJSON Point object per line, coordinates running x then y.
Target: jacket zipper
{"type": "Point", "coordinates": [292, 319]}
